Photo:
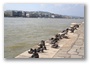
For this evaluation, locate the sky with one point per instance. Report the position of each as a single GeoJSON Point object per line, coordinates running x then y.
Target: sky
{"type": "Point", "coordinates": [63, 9]}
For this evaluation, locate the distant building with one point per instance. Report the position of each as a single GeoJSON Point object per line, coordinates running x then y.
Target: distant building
{"type": "Point", "coordinates": [36, 14]}
{"type": "Point", "coordinates": [52, 16]}
{"type": "Point", "coordinates": [27, 14]}
{"type": "Point", "coordinates": [11, 13]}
{"type": "Point", "coordinates": [23, 14]}
{"type": "Point", "coordinates": [17, 14]}
{"type": "Point", "coordinates": [8, 13]}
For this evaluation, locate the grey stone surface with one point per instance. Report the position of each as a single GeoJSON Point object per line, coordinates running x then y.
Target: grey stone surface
{"type": "Point", "coordinates": [77, 49]}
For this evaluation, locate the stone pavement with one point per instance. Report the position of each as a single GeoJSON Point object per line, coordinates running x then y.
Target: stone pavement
{"type": "Point", "coordinates": [68, 48]}
{"type": "Point", "coordinates": [75, 49]}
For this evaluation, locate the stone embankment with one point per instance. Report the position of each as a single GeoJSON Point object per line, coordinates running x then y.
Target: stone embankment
{"type": "Point", "coordinates": [73, 47]}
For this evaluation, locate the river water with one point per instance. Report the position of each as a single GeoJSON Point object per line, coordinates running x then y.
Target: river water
{"type": "Point", "coordinates": [20, 34]}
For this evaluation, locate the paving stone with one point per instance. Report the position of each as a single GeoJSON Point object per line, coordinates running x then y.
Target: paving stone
{"type": "Point", "coordinates": [59, 57]}
{"type": "Point", "coordinates": [81, 53]}
{"type": "Point", "coordinates": [73, 49]}
{"type": "Point", "coordinates": [75, 56]}
{"type": "Point", "coordinates": [79, 42]}
{"type": "Point", "coordinates": [83, 57]}
{"type": "Point", "coordinates": [78, 46]}
{"type": "Point", "coordinates": [65, 49]}
{"type": "Point", "coordinates": [64, 55]}
{"type": "Point", "coordinates": [80, 50]}
{"type": "Point", "coordinates": [72, 52]}
{"type": "Point", "coordinates": [61, 52]}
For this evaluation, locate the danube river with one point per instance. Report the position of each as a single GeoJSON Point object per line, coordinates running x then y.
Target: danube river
{"type": "Point", "coordinates": [20, 34]}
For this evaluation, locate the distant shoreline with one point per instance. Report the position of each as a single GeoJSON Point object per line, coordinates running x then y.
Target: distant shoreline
{"type": "Point", "coordinates": [37, 14]}
{"type": "Point", "coordinates": [44, 18]}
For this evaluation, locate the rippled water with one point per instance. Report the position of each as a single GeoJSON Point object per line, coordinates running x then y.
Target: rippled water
{"type": "Point", "coordinates": [20, 34]}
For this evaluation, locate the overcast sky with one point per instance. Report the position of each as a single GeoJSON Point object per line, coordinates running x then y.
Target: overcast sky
{"type": "Point", "coordinates": [64, 9]}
